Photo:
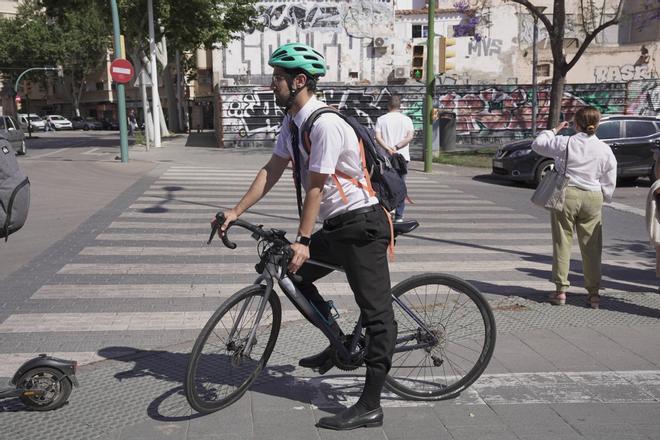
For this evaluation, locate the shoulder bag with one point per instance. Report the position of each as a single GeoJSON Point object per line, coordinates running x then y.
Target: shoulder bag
{"type": "Point", "coordinates": [551, 192]}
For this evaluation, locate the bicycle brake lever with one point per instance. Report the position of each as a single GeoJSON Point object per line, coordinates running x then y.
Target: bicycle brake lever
{"type": "Point", "coordinates": [214, 230]}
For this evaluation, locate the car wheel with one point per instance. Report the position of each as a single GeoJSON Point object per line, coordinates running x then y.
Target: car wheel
{"type": "Point", "coordinates": [86, 127]}
{"type": "Point", "coordinates": [23, 149]}
{"type": "Point", "coordinates": [544, 168]}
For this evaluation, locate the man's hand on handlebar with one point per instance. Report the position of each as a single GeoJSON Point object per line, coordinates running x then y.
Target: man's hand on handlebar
{"type": "Point", "coordinates": [230, 216]}
{"type": "Point", "coordinates": [300, 255]}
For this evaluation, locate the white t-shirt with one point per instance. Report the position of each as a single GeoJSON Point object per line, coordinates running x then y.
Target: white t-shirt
{"type": "Point", "coordinates": [591, 163]}
{"type": "Point", "coordinates": [334, 147]}
{"type": "Point", "coordinates": [394, 127]}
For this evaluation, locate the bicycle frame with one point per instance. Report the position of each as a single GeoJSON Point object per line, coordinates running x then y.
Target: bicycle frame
{"type": "Point", "coordinates": [273, 271]}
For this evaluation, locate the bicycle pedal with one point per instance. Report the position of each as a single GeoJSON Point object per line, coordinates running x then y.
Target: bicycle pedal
{"type": "Point", "coordinates": [325, 367]}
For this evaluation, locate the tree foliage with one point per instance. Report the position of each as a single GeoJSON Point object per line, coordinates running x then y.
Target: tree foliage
{"type": "Point", "coordinates": [592, 16]}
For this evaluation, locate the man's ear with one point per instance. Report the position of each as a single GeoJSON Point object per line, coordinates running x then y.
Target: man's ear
{"type": "Point", "coordinates": [300, 81]}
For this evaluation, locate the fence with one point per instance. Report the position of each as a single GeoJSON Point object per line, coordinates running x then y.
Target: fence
{"type": "Point", "coordinates": [486, 114]}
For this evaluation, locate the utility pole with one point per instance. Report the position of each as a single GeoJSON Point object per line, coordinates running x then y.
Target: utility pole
{"type": "Point", "coordinates": [535, 61]}
{"type": "Point", "coordinates": [27, 98]}
{"type": "Point", "coordinates": [155, 106]}
{"type": "Point", "coordinates": [121, 94]}
{"type": "Point", "coordinates": [430, 86]}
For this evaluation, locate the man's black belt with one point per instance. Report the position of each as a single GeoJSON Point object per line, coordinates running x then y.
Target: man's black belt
{"type": "Point", "coordinates": [350, 215]}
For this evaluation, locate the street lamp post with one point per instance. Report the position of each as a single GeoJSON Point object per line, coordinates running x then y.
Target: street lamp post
{"type": "Point", "coordinates": [535, 37]}
{"type": "Point", "coordinates": [27, 98]}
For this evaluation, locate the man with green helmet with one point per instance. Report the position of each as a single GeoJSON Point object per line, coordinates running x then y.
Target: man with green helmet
{"type": "Point", "coordinates": [356, 230]}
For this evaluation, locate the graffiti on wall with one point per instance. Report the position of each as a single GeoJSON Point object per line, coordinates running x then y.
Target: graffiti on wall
{"type": "Point", "coordinates": [251, 113]}
{"type": "Point", "coordinates": [482, 111]}
{"type": "Point", "coordinates": [627, 72]}
{"type": "Point", "coordinates": [644, 98]}
{"type": "Point", "coordinates": [321, 15]}
{"type": "Point", "coordinates": [485, 47]}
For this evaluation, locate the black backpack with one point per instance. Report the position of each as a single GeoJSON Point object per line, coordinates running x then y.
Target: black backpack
{"type": "Point", "coordinates": [14, 192]}
{"type": "Point", "coordinates": [386, 181]}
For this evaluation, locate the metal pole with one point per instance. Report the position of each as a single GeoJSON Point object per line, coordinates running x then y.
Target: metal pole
{"type": "Point", "coordinates": [27, 98]}
{"type": "Point", "coordinates": [121, 95]}
{"type": "Point", "coordinates": [535, 104]}
{"type": "Point", "coordinates": [145, 107]}
{"type": "Point", "coordinates": [155, 106]}
{"type": "Point", "coordinates": [430, 85]}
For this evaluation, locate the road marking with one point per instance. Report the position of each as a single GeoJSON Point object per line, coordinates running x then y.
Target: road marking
{"type": "Point", "coordinates": [404, 247]}
{"type": "Point", "coordinates": [256, 218]}
{"type": "Point", "coordinates": [510, 389]}
{"type": "Point", "coordinates": [248, 268]}
{"type": "Point", "coordinates": [39, 156]}
{"type": "Point", "coordinates": [266, 208]}
{"type": "Point", "coordinates": [441, 225]}
{"type": "Point", "coordinates": [625, 208]}
{"type": "Point", "coordinates": [124, 322]}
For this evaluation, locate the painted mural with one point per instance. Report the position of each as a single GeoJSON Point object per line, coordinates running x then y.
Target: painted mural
{"type": "Point", "coordinates": [319, 16]}
{"type": "Point", "coordinates": [485, 113]}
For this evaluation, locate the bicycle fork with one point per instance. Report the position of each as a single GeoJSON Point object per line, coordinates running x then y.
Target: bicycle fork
{"type": "Point", "coordinates": [247, 349]}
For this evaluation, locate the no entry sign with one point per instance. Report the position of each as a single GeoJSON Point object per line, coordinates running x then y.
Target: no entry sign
{"type": "Point", "coordinates": [121, 70]}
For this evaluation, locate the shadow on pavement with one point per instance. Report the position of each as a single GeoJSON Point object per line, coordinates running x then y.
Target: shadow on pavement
{"type": "Point", "coordinates": [171, 406]}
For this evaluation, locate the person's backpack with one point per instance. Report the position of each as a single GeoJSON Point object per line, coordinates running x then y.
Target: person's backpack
{"type": "Point", "coordinates": [382, 178]}
{"type": "Point", "coordinates": [14, 192]}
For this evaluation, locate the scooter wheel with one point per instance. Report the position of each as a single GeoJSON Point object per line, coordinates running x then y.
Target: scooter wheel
{"type": "Point", "coordinates": [44, 388]}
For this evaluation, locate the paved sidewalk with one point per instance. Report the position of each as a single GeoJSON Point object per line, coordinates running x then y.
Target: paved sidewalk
{"type": "Point", "coordinates": [557, 372]}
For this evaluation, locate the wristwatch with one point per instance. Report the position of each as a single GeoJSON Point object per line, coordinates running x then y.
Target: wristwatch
{"type": "Point", "coordinates": [305, 241]}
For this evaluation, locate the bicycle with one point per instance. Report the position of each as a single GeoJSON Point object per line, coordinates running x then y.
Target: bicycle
{"type": "Point", "coordinates": [442, 346]}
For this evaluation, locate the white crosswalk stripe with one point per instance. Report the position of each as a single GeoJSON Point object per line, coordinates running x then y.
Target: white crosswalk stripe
{"type": "Point", "coordinates": [162, 234]}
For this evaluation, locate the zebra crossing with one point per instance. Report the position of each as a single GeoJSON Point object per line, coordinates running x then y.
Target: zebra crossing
{"type": "Point", "coordinates": [149, 277]}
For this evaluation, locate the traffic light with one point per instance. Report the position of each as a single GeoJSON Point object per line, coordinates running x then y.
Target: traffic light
{"type": "Point", "coordinates": [444, 54]}
{"type": "Point", "coordinates": [417, 67]}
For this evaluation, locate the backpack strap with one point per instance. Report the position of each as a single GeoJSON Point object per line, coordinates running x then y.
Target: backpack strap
{"type": "Point", "coordinates": [307, 144]}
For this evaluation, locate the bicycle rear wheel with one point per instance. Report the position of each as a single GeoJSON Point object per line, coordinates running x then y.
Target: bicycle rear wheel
{"type": "Point", "coordinates": [220, 369]}
{"type": "Point", "coordinates": [440, 364]}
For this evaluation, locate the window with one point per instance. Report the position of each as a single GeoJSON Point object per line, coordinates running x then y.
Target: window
{"type": "Point", "coordinates": [420, 30]}
{"type": "Point", "coordinates": [2, 124]}
{"type": "Point", "coordinates": [609, 130]}
{"type": "Point", "coordinates": [543, 69]}
{"type": "Point", "coordinates": [11, 123]}
{"type": "Point", "coordinates": [640, 128]}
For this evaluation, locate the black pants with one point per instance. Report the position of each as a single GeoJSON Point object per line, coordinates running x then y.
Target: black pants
{"type": "Point", "coordinates": [358, 241]}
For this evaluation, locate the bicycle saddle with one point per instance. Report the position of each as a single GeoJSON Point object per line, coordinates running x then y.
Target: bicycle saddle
{"type": "Point", "coordinates": [405, 226]}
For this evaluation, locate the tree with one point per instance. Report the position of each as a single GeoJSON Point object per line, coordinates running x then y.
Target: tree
{"type": "Point", "coordinates": [184, 25]}
{"type": "Point", "coordinates": [84, 36]}
{"type": "Point", "coordinates": [593, 17]}
{"type": "Point", "coordinates": [593, 21]}
{"type": "Point", "coordinates": [78, 41]}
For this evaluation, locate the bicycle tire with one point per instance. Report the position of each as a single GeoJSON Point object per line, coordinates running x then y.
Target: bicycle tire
{"type": "Point", "coordinates": [225, 366]}
{"type": "Point", "coordinates": [475, 336]}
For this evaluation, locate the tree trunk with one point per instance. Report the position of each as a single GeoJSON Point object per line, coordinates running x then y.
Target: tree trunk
{"type": "Point", "coordinates": [172, 105]}
{"type": "Point", "coordinates": [556, 96]}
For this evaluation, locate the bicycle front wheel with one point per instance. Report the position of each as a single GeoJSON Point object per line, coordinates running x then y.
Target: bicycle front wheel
{"type": "Point", "coordinates": [449, 347]}
{"type": "Point", "coordinates": [222, 366]}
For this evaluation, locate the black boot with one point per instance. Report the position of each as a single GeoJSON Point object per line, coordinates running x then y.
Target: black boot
{"type": "Point", "coordinates": [353, 417]}
{"type": "Point", "coordinates": [321, 361]}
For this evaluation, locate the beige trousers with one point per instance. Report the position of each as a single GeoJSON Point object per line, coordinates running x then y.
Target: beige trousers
{"type": "Point", "coordinates": [583, 213]}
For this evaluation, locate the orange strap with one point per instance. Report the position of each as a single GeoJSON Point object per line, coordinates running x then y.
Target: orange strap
{"type": "Point", "coordinates": [390, 247]}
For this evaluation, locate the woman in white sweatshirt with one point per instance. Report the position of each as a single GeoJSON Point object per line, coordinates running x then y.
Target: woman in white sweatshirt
{"type": "Point", "coordinates": [591, 170]}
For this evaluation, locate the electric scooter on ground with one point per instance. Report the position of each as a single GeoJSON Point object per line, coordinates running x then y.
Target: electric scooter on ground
{"type": "Point", "coordinates": [43, 383]}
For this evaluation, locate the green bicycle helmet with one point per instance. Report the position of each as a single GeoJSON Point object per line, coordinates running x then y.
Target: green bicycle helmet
{"type": "Point", "coordinates": [292, 56]}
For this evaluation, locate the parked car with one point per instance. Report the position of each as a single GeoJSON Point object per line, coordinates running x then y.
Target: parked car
{"type": "Point", "coordinates": [87, 123]}
{"type": "Point", "coordinates": [632, 139]}
{"type": "Point", "coordinates": [57, 122]}
{"type": "Point", "coordinates": [35, 122]}
{"type": "Point", "coordinates": [11, 130]}
{"type": "Point", "coordinates": [110, 124]}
